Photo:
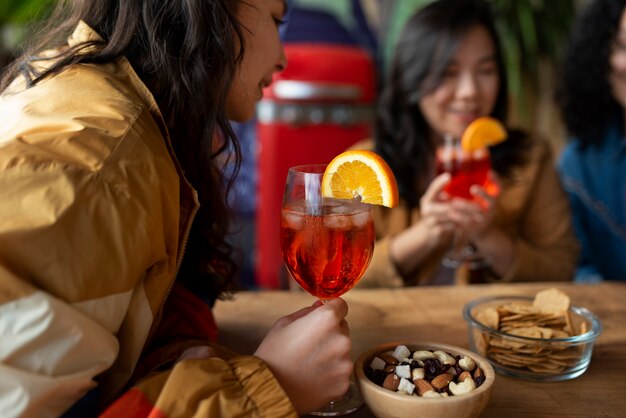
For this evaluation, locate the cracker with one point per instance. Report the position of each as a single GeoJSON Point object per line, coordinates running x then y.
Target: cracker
{"type": "Point", "coordinates": [489, 317]}
{"type": "Point", "coordinates": [551, 301]}
{"type": "Point", "coordinates": [583, 328]}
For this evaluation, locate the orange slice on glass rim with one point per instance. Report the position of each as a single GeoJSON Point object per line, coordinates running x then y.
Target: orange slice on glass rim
{"type": "Point", "coordinates": [360, 173]}
{"type": "Point", "coordinates": [483, 132]}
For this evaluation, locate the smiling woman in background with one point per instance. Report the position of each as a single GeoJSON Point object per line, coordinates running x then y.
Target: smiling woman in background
{"type": "Point", "coordinates": [593, 164]}
{"type": "Point", "coordinates": [446, 72]}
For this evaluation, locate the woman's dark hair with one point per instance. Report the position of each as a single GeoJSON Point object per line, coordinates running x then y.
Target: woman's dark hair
{"type": "Point", "coordinates": [425, 47]}
{"type": "Point", "coordinates": [186, 52]}
{"type": "Point", "coordinates": [585, 97]}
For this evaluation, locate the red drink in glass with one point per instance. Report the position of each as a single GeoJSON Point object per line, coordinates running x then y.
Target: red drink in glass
{"type": "Point", "coordinates": [466, 168]}
{"type": "Point", "coordinates": [328, 253]}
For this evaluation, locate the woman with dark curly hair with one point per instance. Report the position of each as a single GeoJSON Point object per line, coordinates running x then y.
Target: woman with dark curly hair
{"type": "Point", "coordinates": [447, 71]}
{"type": "Point", "coordinates": [593, 164]}
{"type": "Point", "coordinates": [113, 219]}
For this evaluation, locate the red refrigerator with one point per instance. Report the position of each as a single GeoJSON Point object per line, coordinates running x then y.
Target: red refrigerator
{"type": "Point", "coordinates": [319, 106]}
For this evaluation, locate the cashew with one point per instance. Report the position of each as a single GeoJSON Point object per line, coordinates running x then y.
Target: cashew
{"type": "Point", "coordinates": [423, 355]}
{"type": "Point", "coordinates": [445, 358]}
{"type": "Point", "coordinates": [467, 363]}
{"type": "Point", "coordinates": [462, 388]}
{"type": "Point", "coordinates": [418, 373]}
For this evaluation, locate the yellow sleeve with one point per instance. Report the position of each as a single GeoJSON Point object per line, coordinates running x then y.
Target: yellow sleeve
{"type": "Point", "coordinates": [242, 386]}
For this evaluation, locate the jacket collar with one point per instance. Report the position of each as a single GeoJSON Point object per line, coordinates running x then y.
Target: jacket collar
{"type": "Point", "coordinates": [83, 33]}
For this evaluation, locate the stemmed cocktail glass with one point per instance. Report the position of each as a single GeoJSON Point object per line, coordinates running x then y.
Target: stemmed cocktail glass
{"type": "Point", "coordinates": [466, 168]}
{"type": "Point", "coordinates": [326, 245]}
{"type": "Point", "coordinates": [468, 162]}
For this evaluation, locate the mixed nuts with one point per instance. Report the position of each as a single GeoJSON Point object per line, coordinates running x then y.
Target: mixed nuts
{"type": "Point", "coordinates": [425, 373]}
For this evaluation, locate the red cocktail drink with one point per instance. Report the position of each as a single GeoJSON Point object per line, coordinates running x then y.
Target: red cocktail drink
{"type": "Point", "coordinates": [466, 168]}
{"type": "Point", "coordinates": [327, 252]}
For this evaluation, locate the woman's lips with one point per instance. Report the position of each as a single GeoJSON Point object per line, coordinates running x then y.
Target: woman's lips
{"type": "Point", "coordinates": [465, 117]}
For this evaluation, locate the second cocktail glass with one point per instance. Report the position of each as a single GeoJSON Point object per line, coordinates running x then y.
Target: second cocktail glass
{"type": "Point", "coordinates": [467, 168]}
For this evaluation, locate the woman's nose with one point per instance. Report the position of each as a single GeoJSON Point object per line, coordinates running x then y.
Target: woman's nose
{"type": "Point", "coordinates": [281, 65]}
{"type": "Point", "coordinates": [467, 86]}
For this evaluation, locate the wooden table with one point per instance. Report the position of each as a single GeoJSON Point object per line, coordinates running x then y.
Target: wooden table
{"type": "Point", "coordinates": [435, 314]}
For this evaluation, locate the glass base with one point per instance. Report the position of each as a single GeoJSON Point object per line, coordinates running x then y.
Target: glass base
{"type": "Point", "coordinates": [347, 404]}
{"type": "Point", "coordinates": [466, 255]}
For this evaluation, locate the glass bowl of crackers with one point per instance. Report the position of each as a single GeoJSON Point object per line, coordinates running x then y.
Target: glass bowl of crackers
{"type": "Point", "coordinates": [537, 338]}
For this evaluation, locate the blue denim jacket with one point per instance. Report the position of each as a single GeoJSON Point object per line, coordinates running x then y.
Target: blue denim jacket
{"type": "Point", "coordinates": [594, 178]}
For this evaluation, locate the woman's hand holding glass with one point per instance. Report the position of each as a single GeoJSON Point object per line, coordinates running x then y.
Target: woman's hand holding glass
{"type": "Point", "coordinates": [309, 353]}
{"type": "Point", "coordinates": [475, 217]}
{"type": "Point", "coordinates": [435, 210]}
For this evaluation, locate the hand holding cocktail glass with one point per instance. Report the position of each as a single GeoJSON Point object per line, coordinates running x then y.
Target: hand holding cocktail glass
{"type": "Point", "coordinates": [309, 354]}
{"type": "Point", "coordinates": [472, 188]}
{"type": "Point", "coordinates": [327, 229]}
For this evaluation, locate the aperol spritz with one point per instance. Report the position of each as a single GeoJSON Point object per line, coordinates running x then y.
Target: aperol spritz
{"type": "Point", "coordinates": [326, 245]}
{"type": "Point", "coordinates": [327, 252]}
{"type": "Point", "coordinates": [466, 168]}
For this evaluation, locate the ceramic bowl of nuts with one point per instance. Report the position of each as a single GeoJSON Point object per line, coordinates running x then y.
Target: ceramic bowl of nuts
{"type": "Point", "coordinates": [425, 380]}
{"type": "Point", "coordinates": [541, 337]}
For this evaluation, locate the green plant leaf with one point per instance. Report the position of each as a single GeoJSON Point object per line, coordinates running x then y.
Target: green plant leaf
{"type": "Point", "coordinates": [527, 31]}
{"type": "Point", "coordinates": [24, 11]}
{"type": "Point", "coordinates": [7, 8]}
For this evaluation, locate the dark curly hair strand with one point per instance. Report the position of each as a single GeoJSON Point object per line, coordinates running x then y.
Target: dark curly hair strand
{"type": "Point", "coordinates": [585, 94]}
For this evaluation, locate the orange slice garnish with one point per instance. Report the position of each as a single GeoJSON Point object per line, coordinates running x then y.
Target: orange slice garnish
{"type": "Point", "coordinates": [360, 173]}
{"type": "Point", "coordinates": [483, 132]}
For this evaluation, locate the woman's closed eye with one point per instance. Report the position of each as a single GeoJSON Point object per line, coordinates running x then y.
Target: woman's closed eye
{"type": "Point", "coordinates": [450, 72]}
{"type": "Point", "coordinates": [619, 45]}
{"type": "Point", "coordinates": [279, 21]}
{"type": "Point", "coordinates": [488, 69]}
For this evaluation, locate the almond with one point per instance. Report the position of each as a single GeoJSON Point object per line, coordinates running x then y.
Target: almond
{"type": "Point", "coordinates": [441, 382]}
{"type": "Point", "coordinates": [390, 368]}
{"type": "Point", "coordinates": [464, 375]}
{"type": "Point", "coordinates": [478, 372]}
{"type": "Point", "coordinates": [389, 359]}
{"type": "Point", "coordinates": [422, 386]}
{"type": "Point", "coordinates": [392, 381]}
